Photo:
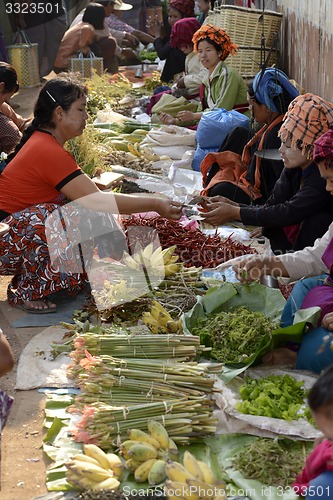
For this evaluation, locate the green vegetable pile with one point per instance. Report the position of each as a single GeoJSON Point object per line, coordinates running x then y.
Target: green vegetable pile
{"type": "Point", "coordinates": [148, 55]}
{"type": "Point", "coordinates": [234, 336]}
{"type": "Point", "coordinates": [277, 396]}
{"type": "Point", "coordinates": [273, 462]}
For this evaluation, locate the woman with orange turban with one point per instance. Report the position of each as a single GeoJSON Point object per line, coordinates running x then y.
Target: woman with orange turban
{"type": "Point", "coordinates": [224, 87]}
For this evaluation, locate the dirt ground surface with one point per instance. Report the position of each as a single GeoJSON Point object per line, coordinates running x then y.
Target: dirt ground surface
{"type": "Point", "coordinates": [22, 461]}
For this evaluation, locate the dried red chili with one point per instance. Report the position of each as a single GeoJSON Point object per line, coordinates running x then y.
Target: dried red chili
{"type": "Point", "coordinates": [193, 246]}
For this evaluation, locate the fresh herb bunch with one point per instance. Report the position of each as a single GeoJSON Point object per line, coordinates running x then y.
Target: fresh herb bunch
{"type": "Point", "coordinates": [148, 55]}
{"type": "Point", "coordinates": [276, 396]}
{"type": "Point", "coordinates": [273, 462]}
{"type": "Point", "coordinates": [234, 336]}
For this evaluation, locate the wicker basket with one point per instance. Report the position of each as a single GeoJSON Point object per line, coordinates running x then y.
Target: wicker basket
{"type": "Point", "coordinates": [248, 60]}
{"type": "Point", "coordinates": [244, 26]}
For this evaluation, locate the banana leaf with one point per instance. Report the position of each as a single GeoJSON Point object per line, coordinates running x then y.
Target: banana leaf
{"type": "Point", "coordinates": [256, 297]}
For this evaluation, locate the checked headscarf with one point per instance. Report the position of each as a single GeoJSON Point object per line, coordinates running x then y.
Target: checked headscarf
{"type": "Point", "coordinates": [182, 32]}
{"type": "Point", "coordinates": [308, 117]}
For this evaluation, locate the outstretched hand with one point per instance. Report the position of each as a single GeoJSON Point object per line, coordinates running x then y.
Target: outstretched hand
{"type": "Point", "coordinates": [168, 208]}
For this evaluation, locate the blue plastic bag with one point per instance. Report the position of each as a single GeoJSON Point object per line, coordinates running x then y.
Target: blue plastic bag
{"type": "Point", "coordinates": [199, 155]}
{"type": "Point", "coordinates": [215, 125]}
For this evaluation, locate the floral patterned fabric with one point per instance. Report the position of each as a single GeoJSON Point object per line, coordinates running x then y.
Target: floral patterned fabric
{"type": "Point", "coordinates": [24, 253]}
{"type": "Point", "coordinates": [5, 405]}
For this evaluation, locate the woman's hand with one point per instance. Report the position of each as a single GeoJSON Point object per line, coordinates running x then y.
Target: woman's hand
{"type": "Point", "coordinates": [220, 213]}
{"type": "Point", "coordinates": [256, 233]}
{"type": "Point", "coordinates": [155, 27]}
{"type": "Point", "coordinates": [186, 116]}
{"type": "Point", "coordinates": [252, 268]}
{"type": "Point", "coordinates": [167, 119]}
{"type": "Point", "coordinates": [327, 321]}
{"type": "Point", "coordinates": [130, 40]}
{"type": "Point", "coordinates": [168, 208]}
{"type": "Point", "coordinates": [181, 83]}
{"type": "Point", "coordinates": [218, 199]}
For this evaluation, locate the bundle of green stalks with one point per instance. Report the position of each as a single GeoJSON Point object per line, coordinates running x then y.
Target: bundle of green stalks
{"type": "Point", "coordinates": [131, 381]}
{"type": "Point", "coordinates": [144, 346]}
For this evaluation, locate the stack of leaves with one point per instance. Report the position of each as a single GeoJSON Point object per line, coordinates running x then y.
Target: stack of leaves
{"type": "Point", "coordinates": [276, 396]}
{"type": "Point", "coordinates": [273, 462]}
{"type": "Point", "coordinates": [234, 336]}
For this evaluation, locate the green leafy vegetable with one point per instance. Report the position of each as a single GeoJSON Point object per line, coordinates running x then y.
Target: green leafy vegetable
{"type": "Point", "coordinates": [272, 461]}
{"type": "Point", "coordinates": [234, 336]}
{"type": "Point", "coordinates": [276, 396]}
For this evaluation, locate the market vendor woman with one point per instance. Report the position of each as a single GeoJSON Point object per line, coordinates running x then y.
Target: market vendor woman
{"type": "Point", "coordinates": [38, 178]}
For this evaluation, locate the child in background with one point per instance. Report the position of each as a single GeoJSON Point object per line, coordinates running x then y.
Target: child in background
{"type": "Point", "coordinates": [316, 479]}
{"type": "Point", "coordinates": [181, 38]}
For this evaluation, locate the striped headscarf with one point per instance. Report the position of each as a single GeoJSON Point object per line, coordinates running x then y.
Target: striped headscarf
{"type": "Point", "coordinates": [182, 32]}
{"type": "Point", "coordinates": [323, 147]}
{"type": "Point", "coordinates": [217, 35]}
{"type": "Point", "coordinates": [308, 117]}
{"type": "Point", "coordinates": [185, 7]}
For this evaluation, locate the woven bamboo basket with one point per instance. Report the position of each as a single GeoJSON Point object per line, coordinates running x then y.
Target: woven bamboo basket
{"type": "Point", "coordinates": [246, 26]}
{"type": "Point", "coordinates": [248, 60]}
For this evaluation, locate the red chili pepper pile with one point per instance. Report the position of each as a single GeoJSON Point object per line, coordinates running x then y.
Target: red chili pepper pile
{"type": "Point", "coordinates": [193, 247]}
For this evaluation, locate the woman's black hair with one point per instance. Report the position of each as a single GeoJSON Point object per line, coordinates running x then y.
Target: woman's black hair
{"type": "Point", "coordinates": [62, 91]}
{"type": "Point", "coordinates": [94, 15]}
{"type": "Point", "coordinates": [8, 76]}
{"type": "Point", "coordinates": [321, 393]}
{"type": "Point", "coordinates": [214, 44]}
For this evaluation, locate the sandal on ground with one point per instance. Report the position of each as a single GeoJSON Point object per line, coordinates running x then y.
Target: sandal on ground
{"type": "Point", "coordinates": [33, 310]}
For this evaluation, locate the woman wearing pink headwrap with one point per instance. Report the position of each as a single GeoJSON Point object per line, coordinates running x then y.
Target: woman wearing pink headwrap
{"type": "Point", "coordinates": [174, 57]}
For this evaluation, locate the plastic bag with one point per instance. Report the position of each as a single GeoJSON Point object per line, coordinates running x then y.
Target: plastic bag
{"type": "Point", "coordinates": [215, 125]}
{"type": "Point", "coordinates": [199, 155]}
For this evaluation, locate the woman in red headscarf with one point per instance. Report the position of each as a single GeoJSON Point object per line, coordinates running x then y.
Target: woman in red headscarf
{"type": "Point", "coordinates": [174, 57]}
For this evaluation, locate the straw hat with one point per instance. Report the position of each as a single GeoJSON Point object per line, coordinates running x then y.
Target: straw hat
{"type": "Point", "coordinates": [120, 5]}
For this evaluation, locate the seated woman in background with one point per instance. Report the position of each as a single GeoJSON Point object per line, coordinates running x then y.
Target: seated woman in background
{"type": "Point", "coordinates": [316, 262]}
{"type": "Point", "coordinates": [174, 57]}
{"type": "Point", "coordinates": [299, 209]}
{"type": "Point", "coordinates": [82, 37]}
{"type": "Point", "coordinates": [224, 87]}
{"type": "Point", "coordinates": [11, 124]}
{"type": "Point", "coordinates": [204, 7]}
{"type": "Point", "coordinates": [40, 176]}
{"type": "Point", "coordinates": [240, 175]}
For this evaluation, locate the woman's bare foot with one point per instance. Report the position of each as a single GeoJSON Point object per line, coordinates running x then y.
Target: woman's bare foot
{"type": "Point", "coordinates": [167, 119]}
{"type": "Point", "coordinates": [39, 306]}
{"type": "Point", "coordinates": [280, 356]}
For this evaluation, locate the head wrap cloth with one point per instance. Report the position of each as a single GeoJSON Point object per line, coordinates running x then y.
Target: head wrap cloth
{"type": "Point", "coordinates": [182, 32]}
{"type": "Point", "coordinates": [185, 7]}
{"type": "Point", "coordinates": [271, 84]}
{"type": "Point", "coordinates": [308, 117]}
{"type": "Point", "coordinates": [323, 147]}
{"type": "Point", "coordinates": [217, 35]}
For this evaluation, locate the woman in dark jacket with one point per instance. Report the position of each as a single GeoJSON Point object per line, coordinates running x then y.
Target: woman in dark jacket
{"type": "Point", "coordinates": [174, 58]}
{"type": "Point", "coordinates": [300, 209]}
{"type": "Point", "coordinates": [269, 95]}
